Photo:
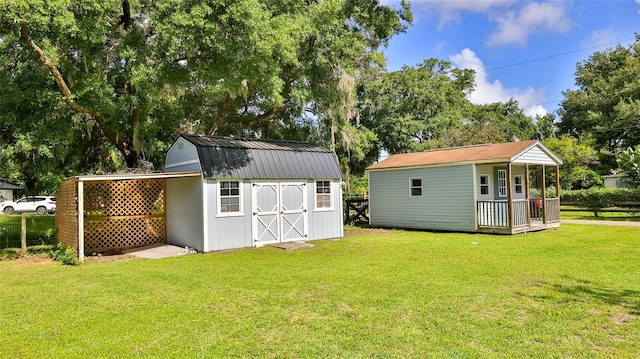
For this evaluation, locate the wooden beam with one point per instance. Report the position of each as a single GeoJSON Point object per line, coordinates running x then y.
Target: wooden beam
{"type": "Point", "coordinates": [543, 194]}
{"type": "Point", "coordinates": [509, 197]}
{"type": "Point", "coordinates": [558, 182]}
{"type": "Point", "coordinates": [81, 221]}
{"type": "Point", "coordinates": [526, 192]}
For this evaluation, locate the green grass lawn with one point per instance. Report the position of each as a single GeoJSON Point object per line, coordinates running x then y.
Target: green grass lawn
{"type": "Point", "coordinates": [572, 292]}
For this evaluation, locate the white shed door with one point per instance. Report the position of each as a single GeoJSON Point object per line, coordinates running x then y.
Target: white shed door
{"type": "Point", "coordinates": [279, 212]}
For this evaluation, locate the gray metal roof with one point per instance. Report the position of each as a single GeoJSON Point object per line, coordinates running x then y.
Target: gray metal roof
{"type": "Point", "coordinates": [223, 157]}
{"type": "Point", "coordinates": [4, 185]}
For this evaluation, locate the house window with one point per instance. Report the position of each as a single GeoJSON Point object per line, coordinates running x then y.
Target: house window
{"type": "Point", "coordinates": [230, 197]}
{"type": "Point", "coordinates": [323, 194]}
{"type": "Point", "coordinates": [518, 184]}
{"type": "Point", "coordinates": [416, 187]}
{"type": "Point", "coordinates": [502, 183]}
{"type": "Point", "coordinates": [484, 185]}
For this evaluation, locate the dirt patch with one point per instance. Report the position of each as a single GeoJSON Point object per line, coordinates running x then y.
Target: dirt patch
{"type": "Point", "coordinates": [366, 231]}
{"type": "Point", "coordinates": [292, 246]}
{"type": "Point", "coordinates": [30, 259]}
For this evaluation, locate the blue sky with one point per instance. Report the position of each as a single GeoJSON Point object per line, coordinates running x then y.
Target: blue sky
{"type": "Point", "coordinates": [503, 41]}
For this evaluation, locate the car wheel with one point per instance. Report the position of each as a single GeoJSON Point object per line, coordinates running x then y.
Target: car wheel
{"type": "Point", "coordinates": [8, 210]}
{"type": "Point", "coordinates": [41, 210]}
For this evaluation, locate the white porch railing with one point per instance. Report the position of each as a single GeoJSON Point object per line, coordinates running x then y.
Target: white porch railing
{"type": "Point", "coordinates": [495, 214]}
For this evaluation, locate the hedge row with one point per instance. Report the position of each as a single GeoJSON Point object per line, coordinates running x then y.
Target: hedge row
{"type": "Point", "coordinates": [597, 198]}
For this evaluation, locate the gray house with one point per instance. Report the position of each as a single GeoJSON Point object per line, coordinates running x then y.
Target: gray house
{"type": "Point", "coordinates": [484, 188]}
{"type": "Point", "coordinates": [6, 191]}
{"type": "Point", "coordinates": [251, 193]}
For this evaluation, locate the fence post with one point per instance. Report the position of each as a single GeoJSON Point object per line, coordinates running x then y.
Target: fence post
{"type": "Point", "coordinates": [23, 233]}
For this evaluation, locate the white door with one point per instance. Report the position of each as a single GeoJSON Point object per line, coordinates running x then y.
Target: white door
{"type": "Point", "coordinates": [265, 198]}
{"type": "Point", "coordinates": [293, 210]}
{"type": "Point", "coordinates": [279, 212]}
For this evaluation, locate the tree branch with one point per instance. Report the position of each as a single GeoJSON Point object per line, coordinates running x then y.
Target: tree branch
{"type": "Point", "coordinates": [68, 96]}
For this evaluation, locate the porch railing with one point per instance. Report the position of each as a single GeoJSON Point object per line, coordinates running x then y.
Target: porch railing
{"type": "Point", "coordinates": [495, 214]}
{"type": "Point", "coordinates": [553, 210]}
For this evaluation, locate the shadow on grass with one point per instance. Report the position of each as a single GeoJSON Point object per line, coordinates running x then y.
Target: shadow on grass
{"type": "Point", "coordinates": [578, 289]}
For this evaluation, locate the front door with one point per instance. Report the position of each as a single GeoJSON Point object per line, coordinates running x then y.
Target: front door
{"type": "Point", "coordinates": [279, 212]}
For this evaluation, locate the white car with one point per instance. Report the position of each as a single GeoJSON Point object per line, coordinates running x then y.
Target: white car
{"type": "Point", "coordinates": [38, 204]}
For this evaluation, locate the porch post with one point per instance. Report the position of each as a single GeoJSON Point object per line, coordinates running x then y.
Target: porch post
{"type": "Point", "coordinates": [543, 194]}
{"type": "Point", "coordinates": [526, 192]}
{"type": "Point", "coordinates": [509, 197]}
{"type": "Point", "coordinates": [558, 184]}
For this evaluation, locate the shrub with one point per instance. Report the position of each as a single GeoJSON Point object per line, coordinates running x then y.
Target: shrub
{"type": "Point", "coordinates": [67, 256]}
{"type": "Point", "coordinates": [596, 198]}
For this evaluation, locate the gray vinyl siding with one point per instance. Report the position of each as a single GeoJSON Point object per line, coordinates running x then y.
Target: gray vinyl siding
{"type": "Point", "coordinates": [325, 224]}
{"type": "Point", "coordinates": [447, 201]}
{"type": "Point", "coordinates": [492, 170]}
{"type": "Point", "coordinates": [228, 232]}
{"type": "Point", "coordinates": [182, 157]}
{"type": "Point", "coordinates": [535, 155]}
{"type": "Point", "coordinates": [184, 214]}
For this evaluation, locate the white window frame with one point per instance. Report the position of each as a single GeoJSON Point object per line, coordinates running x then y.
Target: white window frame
{"type": "Point", "coordinates": [487, 185]}
{"type": "Point", "coordinates": [411, 187]}
{"type": "Point", "coordinates": [517, 185]}
{"type": "Point", "coordinates": [502, 183]}
{"type": "Point", "coordinates": [316, 194]}
{"type": "Point", "coordinates": [240, 196]}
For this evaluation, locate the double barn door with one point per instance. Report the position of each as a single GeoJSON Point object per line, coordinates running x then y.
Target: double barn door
{"type": "Point", "coordinates": [279, 212]}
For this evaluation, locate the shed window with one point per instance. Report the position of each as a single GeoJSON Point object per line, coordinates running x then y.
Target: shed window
{"type": "Point", "coordinates": [518, 184]}
{"type": "Point", "coordinates": [416, 187]}
{"type": "Point", "coordinates": [323, 194]}
{"type": "Point", "coordinates": [229, 197]}
{"type": "Point", "coordinates": [502, 183]}
{"type": "Point", "coordinates": [484, 185]}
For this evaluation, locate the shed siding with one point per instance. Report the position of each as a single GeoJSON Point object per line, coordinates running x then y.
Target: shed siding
{"type": "Point", "coordinates": [184, 220]}
{"type": "Point", "coordinates": [447, 201]}
{"type": "Point", "coordinates": [491, 170]}
{"type": "Point", "coordinates": [232, 231]}
{"type": "Point", "coordinates": [534, 155]}
{"type": "Point", "coordinates": [325, 224]}
{"type": "Point", "coordinates": [182, 157]}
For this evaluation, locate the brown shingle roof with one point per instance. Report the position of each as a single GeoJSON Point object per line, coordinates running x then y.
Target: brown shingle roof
{"type": "Point", "coordinates": [479, 153]}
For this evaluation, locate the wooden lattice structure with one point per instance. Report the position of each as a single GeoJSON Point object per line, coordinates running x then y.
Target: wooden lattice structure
{"type": "Point", "coordinates": [116, 214]}
{"type": "Point", "coordinates": [67, 213]}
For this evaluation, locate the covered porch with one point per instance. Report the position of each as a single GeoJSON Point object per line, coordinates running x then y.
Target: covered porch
{"type": "Point", "coordinates": [537, 211]}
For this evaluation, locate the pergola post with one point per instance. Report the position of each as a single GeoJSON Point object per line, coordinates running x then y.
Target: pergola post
{"type": "Point", "coordinates": [81, 221]}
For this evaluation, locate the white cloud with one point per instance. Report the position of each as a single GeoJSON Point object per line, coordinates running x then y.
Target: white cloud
{"type": "Point", "coordinates": [601, 37]}
{"type": "Point", "coordinates": [515, 21]}
{"type": "Point", "coordinates": [487, 91]}
{"type": "Point", "coordinates": [515, 26]}
{"type": "Point", "coordinates": [638, 2]}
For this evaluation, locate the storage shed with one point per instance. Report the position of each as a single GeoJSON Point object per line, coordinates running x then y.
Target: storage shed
{"type": "Point", "coordinates": [251, 193]}
{"type": "Point", "coordinates": [499, 188]}
{"type": "Point", "coordinates": [6, 191]}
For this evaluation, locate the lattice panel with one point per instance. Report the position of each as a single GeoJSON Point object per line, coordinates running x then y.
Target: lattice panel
{"type": "Point", "coordinates": [67, 213]}
{"type": "Point", "coordinates": [124, 198]}
{"type": "Point", "coordinates": [115, 234]}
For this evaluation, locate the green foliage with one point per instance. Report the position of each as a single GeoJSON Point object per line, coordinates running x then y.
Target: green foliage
{"type": "Point", "coordinates": [579, 157]}
{"type": "Point", "coordinates": [67, 256]}
{"type": "Point", "coordinates": [629, 161]}
{"type": "Point", "coordinates": [409, 107]}
{"type": "Point", "coordinates": [606, 104]}
{"type": "Point", "coordinates": [131, 74]}
{"type": "Point", "coordinates": [596, 198]}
